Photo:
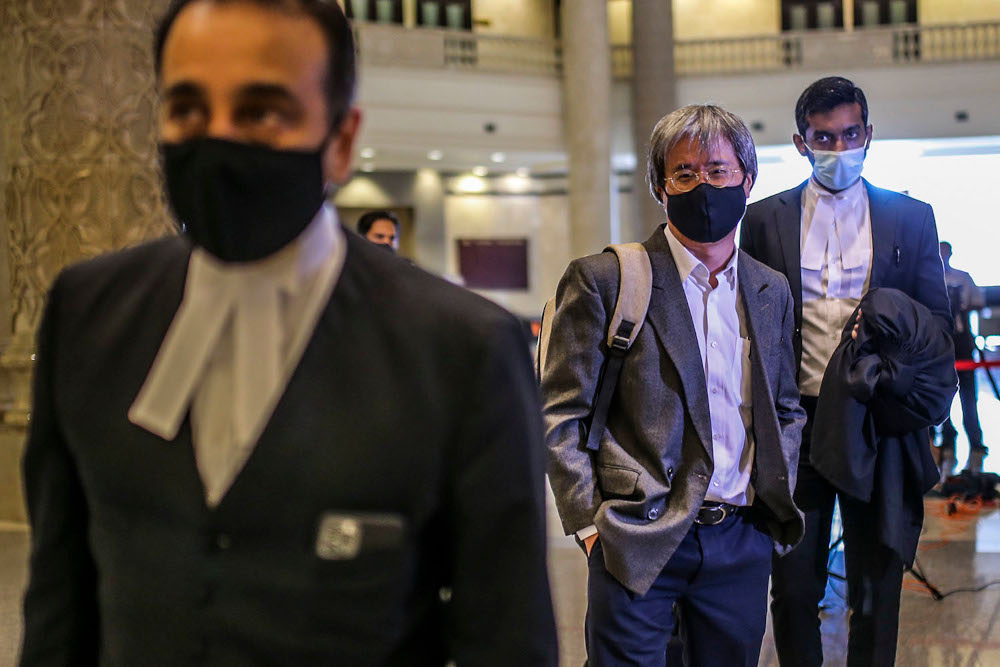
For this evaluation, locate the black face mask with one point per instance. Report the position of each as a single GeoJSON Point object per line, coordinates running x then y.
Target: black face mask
{"type": "Point", "coordinates": [242, 202]}
{"type": "Point", "coordinates": [707, 213]}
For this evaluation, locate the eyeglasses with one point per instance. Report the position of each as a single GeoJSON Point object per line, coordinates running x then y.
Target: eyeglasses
{"type": "Point", "coordinates": [686, 180]}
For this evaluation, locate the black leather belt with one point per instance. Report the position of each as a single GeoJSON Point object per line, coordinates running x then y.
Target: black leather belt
{"type": "Point", "coordinates": [712, 514]}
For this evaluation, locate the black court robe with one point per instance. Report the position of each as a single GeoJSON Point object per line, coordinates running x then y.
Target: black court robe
{"type": "Point", "coordinates": [879, 394]}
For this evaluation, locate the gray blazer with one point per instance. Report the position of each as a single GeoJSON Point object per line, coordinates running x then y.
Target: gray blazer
{"type": "Point", "coordinates": [645, 485]}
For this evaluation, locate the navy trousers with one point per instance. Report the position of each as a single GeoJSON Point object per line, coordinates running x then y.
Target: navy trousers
{"type": "Point", "coordinates": [718, 579]}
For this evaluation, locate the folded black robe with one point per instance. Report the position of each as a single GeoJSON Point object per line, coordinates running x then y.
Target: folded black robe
{"type": "Point", "coordinates": [879, 394]}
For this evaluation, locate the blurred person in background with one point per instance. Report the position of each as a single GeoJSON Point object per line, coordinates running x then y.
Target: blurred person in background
{"type": "Point", "coordinates": [381, 228]}
{"type": "Point", "coordinates": [965, 297]}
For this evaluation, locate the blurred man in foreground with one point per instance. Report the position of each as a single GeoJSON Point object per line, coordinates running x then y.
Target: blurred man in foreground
{"type": "Point", "coordinates": [965, 297]}
{"type": "Point", "coordinates": [224, 464]}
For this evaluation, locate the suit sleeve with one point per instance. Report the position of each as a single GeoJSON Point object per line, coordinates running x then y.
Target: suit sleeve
{"type": "Point", "coordinates": [576, 354]}
{"type": "Point", "coordinates": [60, 604]}
{"type": "Point", "coordinates": [929, 285]}
{"type": "Point", "coordinates": [501, 610]}
{"type": "Point", "coordinates": [791, 415]}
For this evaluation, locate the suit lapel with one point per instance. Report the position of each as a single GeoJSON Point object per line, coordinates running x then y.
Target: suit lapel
{"type": "Point", "coordinates": [760, 315]}
{"type": "Point", "coordinates": [670, 318]}
{"type": "Point", "coordinates": [883, 220]}
{"type": "Point", "coordinates": [788, 219]}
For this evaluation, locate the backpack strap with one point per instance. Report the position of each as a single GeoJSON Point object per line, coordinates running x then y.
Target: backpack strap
{"type": "Point", "coordinates": [634, 289]}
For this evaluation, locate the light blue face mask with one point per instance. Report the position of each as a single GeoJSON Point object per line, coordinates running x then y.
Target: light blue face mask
{"type": "Point", "coordinates": [838, 170]}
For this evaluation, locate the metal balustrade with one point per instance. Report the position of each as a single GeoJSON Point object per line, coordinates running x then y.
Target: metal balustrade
{"type": "Point", "coordinates": [502, 54]}
{"type": "Point", "coordinates": [828, 49]}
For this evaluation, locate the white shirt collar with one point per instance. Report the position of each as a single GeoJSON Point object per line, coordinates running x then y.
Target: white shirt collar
{"type": "Point", "coordinates": [288, 268]}
{"type": "Point", "coordinates": [220, 297]}
{"type": "Point", "coordinates": [850, 194]}
{"type": "Point", "coordinates": [687, 263]}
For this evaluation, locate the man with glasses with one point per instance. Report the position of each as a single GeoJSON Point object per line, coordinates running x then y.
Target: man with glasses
{"type": "Point", "coordinates": [834, 237]}
{"type": "Point", "coordinates": [690, 487]}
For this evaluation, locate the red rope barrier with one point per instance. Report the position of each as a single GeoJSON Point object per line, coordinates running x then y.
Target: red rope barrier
{"type": "Point", "coordinates": [970, 365]}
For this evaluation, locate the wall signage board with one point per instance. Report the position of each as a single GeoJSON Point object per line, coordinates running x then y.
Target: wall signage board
{"type": "Point", "coordinates": [494, 263]}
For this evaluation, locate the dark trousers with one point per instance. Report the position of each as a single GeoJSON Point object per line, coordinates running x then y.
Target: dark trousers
{"type": "Point", "coordinates": [965, 347]}
{"type": "Point", "coordinates": [718, 578]}
{"type": "Point", "coordinates": [798, 581]}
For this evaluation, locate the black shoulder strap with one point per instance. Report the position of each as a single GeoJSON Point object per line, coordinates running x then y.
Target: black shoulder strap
{"type": "Point", "coordinates": [634, 289]}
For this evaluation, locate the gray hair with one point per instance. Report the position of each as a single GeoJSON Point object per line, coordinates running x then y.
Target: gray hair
{"type": "Point", "coordinates": [705, 122]}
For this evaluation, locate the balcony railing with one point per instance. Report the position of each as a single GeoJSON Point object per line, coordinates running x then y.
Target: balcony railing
{"type": "Point", "coordinates": [978, 41]}
{"type": "Point", "coordinates": [502, 54]}
{"type": "Point", "coordinates": [871, 47]}
{"type": "Point", "coordinates": [402, 47]}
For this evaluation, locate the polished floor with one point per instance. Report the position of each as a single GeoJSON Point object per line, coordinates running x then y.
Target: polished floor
{"type": "Point", "coordinates": [958, 550]}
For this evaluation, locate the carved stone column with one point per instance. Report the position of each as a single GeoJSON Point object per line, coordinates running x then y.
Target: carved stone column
{"type": "Point", "coordinates": [587, 114]}
{"type": "Point", "coordinates": [78, 168]}
{"type": "Point", "coordinates": [653, 97]}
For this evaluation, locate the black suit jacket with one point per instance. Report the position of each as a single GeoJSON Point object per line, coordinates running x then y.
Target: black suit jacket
{"type": "Point", "coordinates": [412, 416]}
{"type": "Point", "coordinates": [905, 253]}
{"type": "Point", "coordinates": [905, 256]}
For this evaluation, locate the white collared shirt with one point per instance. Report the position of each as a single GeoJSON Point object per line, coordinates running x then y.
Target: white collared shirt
{"type": "Point", "coordinates": [835, 246]}
{"type": "Point", "coordinates": [719, 322]}
{"type": "Point", "coordinates": [238, 335]}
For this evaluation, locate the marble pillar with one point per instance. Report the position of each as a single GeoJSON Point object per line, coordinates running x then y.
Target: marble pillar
{"type": "Point", "coordinates": [587, 114]}
{"type": "Point", "coordinates": [78, 161]}
{"type": "Point", "coordinates": [653, 96]}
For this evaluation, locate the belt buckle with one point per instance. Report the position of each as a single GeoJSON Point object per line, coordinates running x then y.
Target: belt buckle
{"type": "Point", "coordinates": [717, 511]}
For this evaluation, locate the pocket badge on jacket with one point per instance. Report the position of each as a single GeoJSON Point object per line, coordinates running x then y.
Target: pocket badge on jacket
{"type": "Point", "coordinates": [343, 536]}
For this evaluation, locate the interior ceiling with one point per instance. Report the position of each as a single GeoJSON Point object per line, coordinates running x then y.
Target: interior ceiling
{"type": "Point", "coordinates": [457, 160]}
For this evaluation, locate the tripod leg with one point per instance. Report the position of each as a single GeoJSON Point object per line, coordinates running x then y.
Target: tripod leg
{"type": "Point", "coordinates": [919, 576]}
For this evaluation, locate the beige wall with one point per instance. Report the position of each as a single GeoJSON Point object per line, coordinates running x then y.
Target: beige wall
{"type": "Point", "coordinates": [540, 215]}
{"type": "Point", "coordinates": [698, 19]}
{"type": "Point", "coordinates": [419, 196]}
{"type": "Point", "coordinates": [620, 21]}
{"type": "Point", "coordinates": [514, 18]}
{"type": "Point", "coordinates": [543, 220]}
{"type": "Point", "coordinates": [930, 12]}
